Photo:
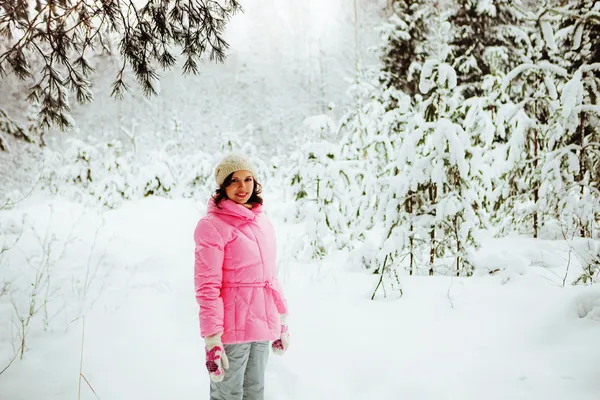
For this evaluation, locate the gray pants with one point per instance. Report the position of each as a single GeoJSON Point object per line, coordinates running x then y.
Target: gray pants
{"type": "Point", "coordinates": [245, 378]}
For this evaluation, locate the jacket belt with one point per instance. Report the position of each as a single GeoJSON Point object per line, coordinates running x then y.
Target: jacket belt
{"type": "Point", "coordinates": [266, 284]}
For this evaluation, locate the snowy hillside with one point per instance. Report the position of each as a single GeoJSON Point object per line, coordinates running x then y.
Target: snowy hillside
{"type": "Point", "coordinates": [518, 334]}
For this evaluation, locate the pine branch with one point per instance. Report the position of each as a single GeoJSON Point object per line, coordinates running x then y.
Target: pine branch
{"type": "Point", "coordinates": [64, 32]}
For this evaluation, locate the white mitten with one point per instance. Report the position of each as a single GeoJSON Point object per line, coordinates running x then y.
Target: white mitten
{"type": "Point", "coordinates": [216, 359]}
{"type": "Point", "coordinates": [281, 345]}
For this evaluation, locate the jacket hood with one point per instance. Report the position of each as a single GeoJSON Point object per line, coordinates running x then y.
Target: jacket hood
{"type": "Point", "coordinates": [231, 208]}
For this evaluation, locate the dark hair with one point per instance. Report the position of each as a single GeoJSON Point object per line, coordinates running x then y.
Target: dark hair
{"type": "Point", "coordinates": [221, 194]}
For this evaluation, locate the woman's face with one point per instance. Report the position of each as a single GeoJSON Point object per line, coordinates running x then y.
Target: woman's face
{"type": "Point", "coordinates": [241, 187]}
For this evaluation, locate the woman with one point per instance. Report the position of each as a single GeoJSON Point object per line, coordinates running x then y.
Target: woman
{"type": "Point", "coordinates": [242, 306]}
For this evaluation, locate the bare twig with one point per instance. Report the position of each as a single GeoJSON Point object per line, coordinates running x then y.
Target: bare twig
{"type": "Point", "coordinates": [81, 364]}
{"type": "Point", "coordinates": [88, 279]}
{"type": "Point", "coordinates": [570, 243]}
{"type": "Point", "coordinates": [9, 203]}
{"type": "Point", "coordinates": [380, 279]}
{"type": "Point", "coordinates": [5, 248]}
{"type": "Point", "coordinates": [74, 320]}
{"type": "Point", "coordinates": [81, 357]}
{"type": "Point", "coordinates": [448, 293]}
{"type": "Point", "coordinates": [11, 361]}
{"type": "Point", "coordinates": [89, 385]}
{"type": "Point", "coordinates": [567, 270]}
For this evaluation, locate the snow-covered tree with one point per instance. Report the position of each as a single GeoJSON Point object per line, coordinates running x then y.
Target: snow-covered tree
{"type": "Point", "coordinates": [10, 127]}
{"type": "Point", "coordinates": [488, 39]}
{"type": "Point", "coordinates": [444, 153]}
{"type": "Point", "coordinates": [529, 124]}
{"type": "Point", "coordinates": [113, 182]}
{"type": "Point", "coordinates": [588, 254]}
{"type": "Point", "coordinates": [570, 173]}
{"type": "Point", "coordinates": [322, 185]}
{"type": "Point", "coordinates": [422, 204]}
{"type": "Point", "coordinates": [551, 124]}
{"type": "Point", "coordinates": [578, 39]}
{"type": "Point", "coordinates": [370, 134]}
{"type": "Point", "coordinates": [80, 159]}
{"type": "Point", "coordinates": [578, 34]}
{"type": "Point", "coordinates": [527, 121]}
{"type": "Point", "coordinates": [403, 37]}
{"type": "Point", "coordinates": [440, 175]}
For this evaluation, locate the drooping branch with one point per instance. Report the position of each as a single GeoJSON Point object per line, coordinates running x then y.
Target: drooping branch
{"type": "Point", "coordinates": [62, 33]}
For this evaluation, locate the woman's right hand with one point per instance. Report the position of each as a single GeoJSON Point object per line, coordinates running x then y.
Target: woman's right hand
{"type": "Point", "coordinates": [216, 359]}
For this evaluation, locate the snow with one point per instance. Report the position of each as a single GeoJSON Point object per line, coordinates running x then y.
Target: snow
{"type": "Point", "coordinates": [486, 7]}
{"type": "Point", "coordinates": [588, 108]}
{"type": "Point", "coordinates": [548, 34]}
{"type": "Point", "coordinates": [356, 176]}
{"type": "Point", "coordinates": [515, 334]}
{"type": "Point", "coordinates": [572, 95]}
{"type": "Point", "coordinates": [425, 84]}
{"type": "Point", "coordinates": [577, 37]}
{"type": "Point", "coordinates": [551, 87]}
{"type": "Point", "coordinates": [541, 66]}
{"type": "Point", "coordinates": [446, 74]}
{"type": "Point", "coordinates": [319, 123]}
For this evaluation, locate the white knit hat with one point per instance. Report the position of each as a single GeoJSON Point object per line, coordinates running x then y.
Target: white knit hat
{"type": "Point", "coordinates": [230, 164]}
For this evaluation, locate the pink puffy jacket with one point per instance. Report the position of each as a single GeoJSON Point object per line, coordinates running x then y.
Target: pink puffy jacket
{"type": "Point", "coordinates": [236, 274]}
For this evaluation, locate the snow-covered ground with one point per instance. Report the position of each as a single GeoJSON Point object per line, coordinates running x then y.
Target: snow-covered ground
{"type": "Point", "coordinates": [517, 334]}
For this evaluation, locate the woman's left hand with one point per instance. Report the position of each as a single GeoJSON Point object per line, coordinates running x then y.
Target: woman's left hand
{"type": "Point", "coordinates": [281, 345]}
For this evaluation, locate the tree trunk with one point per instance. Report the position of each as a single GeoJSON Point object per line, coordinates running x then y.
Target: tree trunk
{"type": "Point", "coordinates": [412, 247]}
{"type": "Point", "coordinates": [456, 234]}
{"type": "Point", "coordinates": [433, 197]}
{"type": "Point", "coordinates": [356, 53]}
{"type": "Point", "coordinates": [457, 245]}
{"type": "Point", "coordinates": [380, 280]}
{"type": "Point", "coordinates": [409, 208]}
{"type": "Point", "coordinates": [411, 239]}
{"type": "Point", "coordinates": [536, 189]}
{"type": "Point", "coordinates": [583, 231]}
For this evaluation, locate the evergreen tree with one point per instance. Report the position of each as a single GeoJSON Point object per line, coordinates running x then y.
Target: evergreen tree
{"type": "Point", "coordinates": [322, 185]}
{"type": "Point", "coordinates": [553, 122]}
{"type": "Point", "coordinates": [430, 212]}
{"type": "Point", "coordinates": [578, 39]}
{"type": "Point", "coordinates": [488, 39]}
{"type": "Point", "coordinates": [63, 34]}
{"type": "Point", "coordinates": [441, 174]}
{"type": "Point", "coordinates": [403, 37]}
{"type": "Point", "coordinates": [371, 134]}
{"type": "Point", "coordinates": [578, 36]}
{"type": "Point", "coordinates": [419, 199]}
{"type": "Point", "coordinates": [527, 120]}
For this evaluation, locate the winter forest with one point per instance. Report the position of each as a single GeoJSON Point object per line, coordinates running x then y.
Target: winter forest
{"type": "Point", "coordinates": [432, 169]}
